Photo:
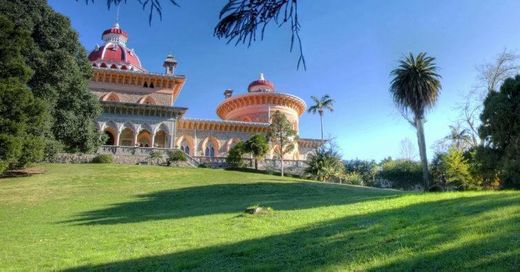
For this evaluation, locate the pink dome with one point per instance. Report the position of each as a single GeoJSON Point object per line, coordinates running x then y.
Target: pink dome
{"type": "Point", "coordinates": [261, 85]}
{"type": "Point", "coordinates": [114, 53]}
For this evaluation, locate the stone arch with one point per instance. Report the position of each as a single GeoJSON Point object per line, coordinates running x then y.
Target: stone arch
{"type": "Point", "coordinates": [144, 137]}
{"type": "Point", "coordinates": [111, 97]}
{"type": "Point", "coordinates": [126, 137]}
{"type": "Point", "coordinates": [210, 146]}
{"type": "Point", "coordinates": [231, 142]}
{"type": "Point", "coordinates": [186, 144]}
{"type": "Point", "coordinates": [161, 136]}
{"type": "Point", "coordinates": [148, 100]}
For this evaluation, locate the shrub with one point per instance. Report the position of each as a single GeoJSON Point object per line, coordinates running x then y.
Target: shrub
{"type": "Point", "coordinates": [367, 170]}
{"type": "Point", "coordinates": [177, 155]}
{"type": "Point", "coordinates": [403, 174]}
{"type": "Point", "coordinates": [234, 157]}
{"type": "Point", "coordinates": [103, 158]}
{"type": "Point", "coordinates": [452, 169]}
{"type": "Point", "coordinates": [203, 165]}
{"type": "Point", "coordinates": [353, 178]}
{"type": "Point", "coordinates": [156, 156]}
{"type": "Point", "coordinates": [325, 164]}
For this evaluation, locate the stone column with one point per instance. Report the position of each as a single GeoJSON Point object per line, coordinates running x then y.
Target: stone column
{"type": "Point", "coordinates": [173, 132]}
{"type": "Point", "coordinates": [117, 136]}
{"type": "Point", "coordinates": [153, 140]}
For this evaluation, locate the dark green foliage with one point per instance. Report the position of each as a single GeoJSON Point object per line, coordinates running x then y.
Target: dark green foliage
{"type": "Point", "coordinates": [103, 158]}
{"type": "Point", "coordinates": [257, 146]}
{"type": "Point", "coordinates": [402, 174]}
{"type": "Point", "coordinates": [234, 158]}
{"type": "Point", "coordinates": [366, 169]}
{"type": "Point", "coordinates": [325, 164]}
{"type": "Point", "coordinates": [500, 132]}
{"type": "Point", "coordinates": [177, 155]}
{"type": "Point", "coordinates": [21, 114]}
{"type": "Point", "coordinates": [451, 169]}
{"type": "Point", "coordinates": [61, 71]}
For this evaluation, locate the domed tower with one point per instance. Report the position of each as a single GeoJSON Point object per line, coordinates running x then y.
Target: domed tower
{"type": "Point", "coordinates": [259, 103]}
{"type": "Point", "coordinates": [114, 54]}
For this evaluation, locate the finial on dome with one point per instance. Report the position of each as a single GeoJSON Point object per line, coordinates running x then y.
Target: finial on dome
{"type": "Point", "coordinates": [116, 25]}
{"type": "Point", "coordinates": [262, 76]}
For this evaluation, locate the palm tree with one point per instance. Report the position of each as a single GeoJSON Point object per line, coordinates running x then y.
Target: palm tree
{"type": "Point", "coordinates": [320, 105]}
{"type": "Point", "coordinates": [415, 88]}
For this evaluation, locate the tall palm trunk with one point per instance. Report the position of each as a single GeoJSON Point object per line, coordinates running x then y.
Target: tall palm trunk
{"type": "Point", "coordinates": [321, 124]}
{"type": "Point", "coordinates": [419, 125]}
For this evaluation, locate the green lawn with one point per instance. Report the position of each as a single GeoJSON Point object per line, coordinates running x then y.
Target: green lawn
{"type": "Point", "coordinates": [120, 217]}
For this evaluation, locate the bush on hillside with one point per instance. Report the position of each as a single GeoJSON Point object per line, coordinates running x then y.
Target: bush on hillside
{"type": "Point", "coordinates": [402, 174]}
{"type": "Point", "coordinates": [367, 170]}
{"type": "Point", "coordinates": [234, 158]}
{"type": "Point", "coordinates": [103, 158]}
{"type": "Point", "coordinates": [325, 164]}
{"type": "Point", "coordinates": [353, 178]}
{"type": "Point", "coordinates": [451, 169]}
{"type": "Point", "coordinates": [177, 155]}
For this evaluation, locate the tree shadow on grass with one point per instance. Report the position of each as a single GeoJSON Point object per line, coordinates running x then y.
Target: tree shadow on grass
{"type": "Point", "coordinates": [464, 233]}
{"type": "Point", "coordinates": [228, 198]}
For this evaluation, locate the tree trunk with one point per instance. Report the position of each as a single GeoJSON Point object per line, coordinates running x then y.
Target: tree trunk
{"type": "Point", "coordinates": [281, 164]}
{"type": "Point", "coordinates": [256, 164]}
{"type": "Point", "coordinates": [321, 124]}
{"type": "Point", "coordinates": [422, 152]}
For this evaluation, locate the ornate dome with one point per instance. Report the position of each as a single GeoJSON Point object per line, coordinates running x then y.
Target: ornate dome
{"type": "Point", "coordinates": [260, 85]}
{"type": "Point", "coordinates": [114, 54]}
{"type": "Point", "coordinates": [259, 103]}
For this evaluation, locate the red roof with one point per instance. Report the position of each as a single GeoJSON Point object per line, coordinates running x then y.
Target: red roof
{"type": "Point", "coordinates": [261, 82]}
{"type": "Point", "coordinates": [112, 53]}
{"type": "Point", "coordinates": [115, 30]}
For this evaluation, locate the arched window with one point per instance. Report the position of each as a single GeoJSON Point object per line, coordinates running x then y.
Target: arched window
{"type": "Point", "coordinates": [210, 150]}
{"type": "Point", "coordinates": [145, 85]}
{"type": "Point", "coordinates": [144, 138]}
{"type": "Point", "coordinates": [111, 140]}
{"type": "Point", "coordinates": [160, 139]}
{"type": "Point", "coordinates": [127, 137]}
{"type": "Point", "coordinates": [151, 85]}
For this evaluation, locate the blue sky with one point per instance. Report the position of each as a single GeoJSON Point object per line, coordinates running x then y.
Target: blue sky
{"type": "Point", "coordinates": [350, 48]}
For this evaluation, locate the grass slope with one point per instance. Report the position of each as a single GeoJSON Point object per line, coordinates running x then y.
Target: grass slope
{"type": "Point", "coordinates": [118, 217]}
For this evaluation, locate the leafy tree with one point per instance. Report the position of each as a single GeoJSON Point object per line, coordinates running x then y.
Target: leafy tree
{"type": "Point", "coordinates": [415, 88]}
{"type": "Point", "coordinates": [451, 168]}
{"type": "Point", "coordinates": [61, 72]}
{"type": "Point", "coordinates": [282, 136]}
{"type": "Point", "coordinates": [325, 164]}
{"type": "Point", "coordinates": [500, 131]}
{"type": "Point", "coordinates": [21, 114]}
{"type": "Point", "coordinates": [257, 146]}
{"type": "Point", "coordinates": [320, 105]}
{"type": "Point", "coordinates": [234, 158]}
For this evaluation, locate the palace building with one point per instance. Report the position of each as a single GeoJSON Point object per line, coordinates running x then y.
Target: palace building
{"type": "Point", "coordinates": [140, 113]}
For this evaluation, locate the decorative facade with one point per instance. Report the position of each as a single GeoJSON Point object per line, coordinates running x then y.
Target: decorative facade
{"type": "Point", "coordinates": [139, 107]}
